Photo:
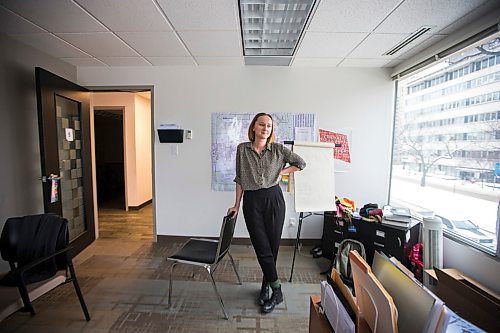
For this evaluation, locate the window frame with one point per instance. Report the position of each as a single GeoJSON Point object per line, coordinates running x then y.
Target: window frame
{"type": "Point", "coordinates": [495, 253]}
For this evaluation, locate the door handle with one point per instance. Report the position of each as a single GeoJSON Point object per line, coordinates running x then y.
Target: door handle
{"type": "Point", "coordinates": [44, 179]}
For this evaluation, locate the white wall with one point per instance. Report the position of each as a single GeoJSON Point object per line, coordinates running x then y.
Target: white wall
{"type": "Point", "coordinates": [472, 263]}
{"type": "Point", "coordinates": [137, 142]}
{"type": "Point", "coordinates": [358, 99]}
{"type": "Point", "coordinates": [144, 172]}
{"type": "Point", "coordinates": [20, 189]}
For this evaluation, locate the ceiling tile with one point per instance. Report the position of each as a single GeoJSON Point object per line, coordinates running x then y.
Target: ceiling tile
{"type": "Point", "coordinates": [476, 14]}
{"type": "Point", "coordinates": [328, 45]}
{"type": "Point", "coordinates": [13, 23]}
{"type": "Point", "coordinates": [412, 14]}
{"type": "Point", "coordinates": [202, 14]}
{"type": "Point", "coordinates": [220, 61]}
{"type": "Point", "coordinates": [212, 44]}
{"type": "Point", "coordinates": [124, 61]}
{"type": "Point", "coordinates": [155, 44]}
{"type": "Point", "coordinates": [50, 44]}
{"type": "Point", "coordinates": [55, 16]}
{"type": "Point", "coordinates": [350, 16]}
{"type": "Point", "coordinates": [130, 15]}
{"type": "Point", "coordinates": [316, 62]}
{"type": "Point", "coordinates": [364, 62]}
{"type": "Point", "coordinates": [100, 44]}
{"type": "Point", "coordinates": [171, 61]}
{"type": "Point", "coordinates": [84, 62]}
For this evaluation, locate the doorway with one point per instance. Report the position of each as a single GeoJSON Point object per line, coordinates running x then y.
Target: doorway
{"type": "Point", "coordinates": [109, 161]}
{"type": "Point", "coordinates": [123, 163]}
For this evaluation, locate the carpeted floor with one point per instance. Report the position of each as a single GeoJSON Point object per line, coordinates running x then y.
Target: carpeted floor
{"type": "Point", "coordinates": [125, 286]}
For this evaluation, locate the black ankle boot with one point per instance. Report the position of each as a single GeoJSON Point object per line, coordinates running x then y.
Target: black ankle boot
{"type": "Point", "coordinates": [264, 293]}
{"type": "Point", "coordinates": [275, 299]}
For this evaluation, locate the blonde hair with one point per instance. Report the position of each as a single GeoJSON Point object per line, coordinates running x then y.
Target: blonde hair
{"type": "Point", "coordinates": [251, 133]}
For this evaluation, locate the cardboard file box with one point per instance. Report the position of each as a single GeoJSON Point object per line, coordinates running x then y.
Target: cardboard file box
{"type": "Point", "coordinates": [317, 320]}
{"type": "Point", "coordinates": [469, 299]}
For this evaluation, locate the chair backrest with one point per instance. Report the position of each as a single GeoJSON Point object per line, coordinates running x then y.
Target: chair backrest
{"type": "Point", "coordinates": [25, 239]}
{"type": "Point", "coordinates": [226, 236]}
{"type": "Point", "coordinates": [374, 302]}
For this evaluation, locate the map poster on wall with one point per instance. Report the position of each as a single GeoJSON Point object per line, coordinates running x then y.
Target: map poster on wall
{"type": "Point", "coordinates": [230, 129]}
{"type": "Point", "coordinates": [341, 154]}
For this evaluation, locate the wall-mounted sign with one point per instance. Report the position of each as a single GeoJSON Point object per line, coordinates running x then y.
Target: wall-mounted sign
{"type": "Point", "coordinates": [70, 134]}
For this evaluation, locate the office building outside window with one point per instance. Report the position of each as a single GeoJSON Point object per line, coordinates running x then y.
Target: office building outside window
{"type": "Point", "coordinates": [446, 153]}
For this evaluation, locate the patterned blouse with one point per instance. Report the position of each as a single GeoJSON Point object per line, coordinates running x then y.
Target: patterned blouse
{"type": "Point", "coordinates": [254, 171]}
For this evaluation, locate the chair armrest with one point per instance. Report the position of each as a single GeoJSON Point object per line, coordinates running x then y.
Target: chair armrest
{"type": "Point", "coordinates": [21, 270]}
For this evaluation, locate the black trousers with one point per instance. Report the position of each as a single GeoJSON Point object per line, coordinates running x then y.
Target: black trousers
{"type": "Point", "coordinates": [264, 212]}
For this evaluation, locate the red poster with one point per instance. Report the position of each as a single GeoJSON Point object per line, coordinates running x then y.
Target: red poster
{"type": "Point", "coordinates": [340, 153]}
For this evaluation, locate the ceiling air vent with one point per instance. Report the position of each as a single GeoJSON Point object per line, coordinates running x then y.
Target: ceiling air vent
{"type": "Point", "coordinates": [414, 35]}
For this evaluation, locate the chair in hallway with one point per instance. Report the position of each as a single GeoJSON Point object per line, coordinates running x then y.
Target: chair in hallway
{"type": "Point", "coordinates": [36, 248]}
{"type": "Point", "coordinates": [206, 253]}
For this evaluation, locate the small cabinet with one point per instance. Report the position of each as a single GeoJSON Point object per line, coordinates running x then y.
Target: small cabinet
{"type": "Point", "coordinates": [393, 241]}
{"type": "Point", "coordinates": [333, 233]}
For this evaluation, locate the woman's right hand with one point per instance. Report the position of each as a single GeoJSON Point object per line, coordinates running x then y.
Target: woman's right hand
{"type": "Point", "coordinates": [233, 211]}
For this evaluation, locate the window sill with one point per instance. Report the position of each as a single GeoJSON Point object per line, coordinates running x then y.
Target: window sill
{"type": "Point", "coordinates": [490, 251]}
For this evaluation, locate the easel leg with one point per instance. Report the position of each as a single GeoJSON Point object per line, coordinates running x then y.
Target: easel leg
{"type": "Point", "coordinates": [301, 216]}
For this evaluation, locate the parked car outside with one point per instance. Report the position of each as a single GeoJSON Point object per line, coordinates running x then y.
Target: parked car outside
{"type": "Point", "coordinates": [468, 229]}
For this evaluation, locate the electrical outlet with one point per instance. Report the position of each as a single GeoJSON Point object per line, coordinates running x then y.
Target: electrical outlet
{"type": "Point", "coordinates": [292, 221]}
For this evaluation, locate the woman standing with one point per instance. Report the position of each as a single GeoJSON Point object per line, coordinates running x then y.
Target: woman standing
{"type": "Point", "coordinates": [259, 165]}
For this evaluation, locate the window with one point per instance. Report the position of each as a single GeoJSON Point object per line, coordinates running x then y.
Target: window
{"type": "Point", "coordinates": [459, 180]}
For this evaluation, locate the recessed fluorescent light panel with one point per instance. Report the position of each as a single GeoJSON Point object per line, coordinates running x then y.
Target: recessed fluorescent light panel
{"type": "Point", "coordinates": [272, 28]}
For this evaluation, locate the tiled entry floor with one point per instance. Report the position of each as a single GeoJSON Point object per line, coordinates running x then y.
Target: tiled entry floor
{"type": "Point", "coordinates": [125, 285]}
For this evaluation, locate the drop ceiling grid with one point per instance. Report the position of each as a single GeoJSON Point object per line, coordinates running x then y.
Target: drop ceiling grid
{"type": "Point", "coordinates": [124, 61]}
{"type": "Point", "coordinates": [326, 45]}
{"type": "Point", "coordinates": [15, 24]}
{"type": "Point", "coordinates": [83, 62]}
{"type": "Point", "coordinates": [411, 15]}
{"type": "Point", "coordinates": [210, 30]}
{"type": "Point", "coordinates": [171, 61]}
{"type": "Point", "coordinates": [154, 43]}
{"type": "Point", "coordinates": [316, 62]}
{"type": "Point", "coordinates": [212, 43]}
{"type": "Point", "coordinates": [131, 15]}
{"type": "Point", "coordinates": [104, 44]}
{"type": "Point", "coordinates": [50, 44]}
{"type": "Point", "coordinates": [55, 16]}
{"type": "Point", "coordinates": [202, 15]}
{"type": "Point", "coordinates": [350, 16]}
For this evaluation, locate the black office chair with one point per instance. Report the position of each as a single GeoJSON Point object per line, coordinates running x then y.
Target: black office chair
{"type": "Point", "coordinates": [36, 247]}
{"type": "Point", "coordinates": [206, 253]}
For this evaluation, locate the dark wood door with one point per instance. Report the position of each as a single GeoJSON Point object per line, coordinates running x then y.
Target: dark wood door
{"type": "Point", "coordinates": [64, 126]}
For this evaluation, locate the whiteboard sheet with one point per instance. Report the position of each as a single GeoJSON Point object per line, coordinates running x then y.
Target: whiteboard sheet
{"type": "Point", "coordinates": [314, 186]}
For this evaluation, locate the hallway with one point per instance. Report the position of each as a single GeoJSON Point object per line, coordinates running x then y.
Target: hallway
{"type": "Point", "coordinates": [118, 223]}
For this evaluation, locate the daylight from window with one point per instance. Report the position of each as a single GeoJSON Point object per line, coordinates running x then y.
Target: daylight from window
{"type": "Point", "coordinates": [446, 154]}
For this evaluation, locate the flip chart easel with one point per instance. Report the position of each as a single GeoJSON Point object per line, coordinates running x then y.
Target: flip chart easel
{"type": "Point", "coordinates": [314, 187]}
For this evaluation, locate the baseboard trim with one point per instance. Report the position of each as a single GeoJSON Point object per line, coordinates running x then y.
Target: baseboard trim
{"type": "Point", "coordinates": [141, 205]}
{"type": "Point", "coordinates": [164, 239]}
